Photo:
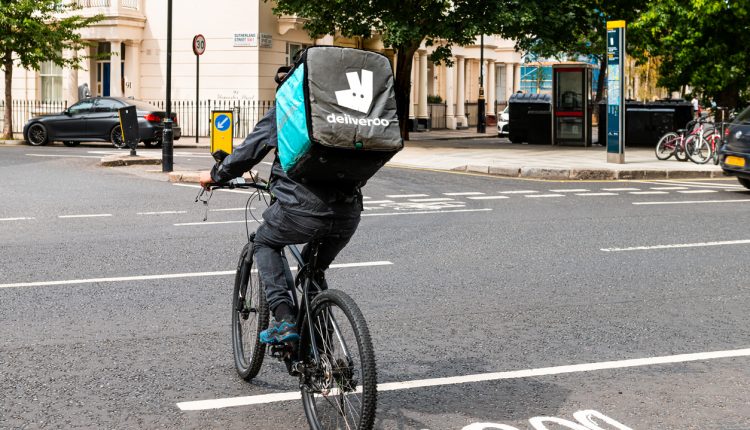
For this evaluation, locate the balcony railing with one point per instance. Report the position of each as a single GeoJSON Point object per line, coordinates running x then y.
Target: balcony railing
{"type": "Point", "coordinates": [112, 5]}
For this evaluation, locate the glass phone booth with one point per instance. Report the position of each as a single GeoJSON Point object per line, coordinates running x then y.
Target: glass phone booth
{"type": "Point", "coordinates": [571, 107]}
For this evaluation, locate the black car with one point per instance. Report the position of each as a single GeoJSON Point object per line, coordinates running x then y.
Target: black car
{"type": "Point", "coordinates": [96, 120]}
{"type": "Point", "coordinates": [735, 153]}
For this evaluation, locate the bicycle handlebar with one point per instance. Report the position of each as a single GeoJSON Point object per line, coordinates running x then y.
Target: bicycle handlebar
{"type": "Point", "coordinates": [239, 183]}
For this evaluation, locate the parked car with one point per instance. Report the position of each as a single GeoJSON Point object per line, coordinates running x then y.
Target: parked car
{"type": "Point", "coordinates": [503, 123]}
{"type": "Point", "coordinates": [96, 119]}
{"type": "Point", "coordinates": [735, 153]}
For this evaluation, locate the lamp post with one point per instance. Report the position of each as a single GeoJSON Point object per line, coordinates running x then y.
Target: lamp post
{"type": "Point", "coordinates": [167, 138]}
{"type": "Point", "coordinates": [480, 103]}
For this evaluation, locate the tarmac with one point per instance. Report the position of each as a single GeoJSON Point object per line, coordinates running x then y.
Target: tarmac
{"type": "Point", "coordinates": [488, 154]}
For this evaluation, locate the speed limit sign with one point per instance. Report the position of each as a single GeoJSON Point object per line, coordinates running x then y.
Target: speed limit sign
{"type": "Point", "coordinates": [199, 44]}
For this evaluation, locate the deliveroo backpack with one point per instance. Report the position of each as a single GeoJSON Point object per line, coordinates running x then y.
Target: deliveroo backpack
{"type": "Point", "coordinates": [336, 116]}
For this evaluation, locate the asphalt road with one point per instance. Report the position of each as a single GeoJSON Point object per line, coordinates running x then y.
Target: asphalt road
{"type": "Point", "coordinates": [639, 287]}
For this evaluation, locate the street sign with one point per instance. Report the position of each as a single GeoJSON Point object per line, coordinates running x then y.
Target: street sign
{"type": "Point", "coordinates": [221, 130]}
{"type": "Point", "coordinates": [616, 92]}
{"type": "Point", "coordinates": [199, 44]}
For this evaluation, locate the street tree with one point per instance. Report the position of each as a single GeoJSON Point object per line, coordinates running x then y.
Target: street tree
{"type": "Point", "coordinates": [700, 43]}
{"type": "Point", "coordinates": [402, 25]}
{"type": "Point", "coordinates": [35, 31]}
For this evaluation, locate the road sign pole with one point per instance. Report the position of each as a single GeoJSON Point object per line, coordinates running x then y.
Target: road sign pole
{"type": "Point", "coordinates": [197, 92]}
{"type": "Point", "coordinates": [167, 151]}
{"type": "Point", "coordinates": [616, 92]}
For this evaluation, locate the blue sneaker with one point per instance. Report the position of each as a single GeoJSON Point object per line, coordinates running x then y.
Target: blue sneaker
{"type": "Point", "coordinates": [280, 332]}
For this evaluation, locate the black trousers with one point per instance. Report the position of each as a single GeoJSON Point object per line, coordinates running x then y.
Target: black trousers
{"type": "Point", "coordinates": [281, 228]}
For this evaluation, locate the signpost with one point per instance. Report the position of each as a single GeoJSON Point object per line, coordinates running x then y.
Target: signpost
{"type": "Point", "coordinates": [222, 123]}
{"type": "Point", "coordinates": [616, 92]}
{"type": "Point", "coordinates": [199, 47]}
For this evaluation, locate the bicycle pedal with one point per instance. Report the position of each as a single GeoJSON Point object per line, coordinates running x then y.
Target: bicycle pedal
{"type": "Point", "coordinates": [280, 352]}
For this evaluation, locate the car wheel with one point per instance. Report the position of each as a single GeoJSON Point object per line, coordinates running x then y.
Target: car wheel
{"type": "Point", "coordinates": [115, 136]}
{"type": "Point", "coordinates": [37, 135]}
{"type": "Point", "coordinates": [152, 143]}
{"type": "Point", "coordinates": [71, 143]}
{"type": "Point", "coordinates": [744, 182]}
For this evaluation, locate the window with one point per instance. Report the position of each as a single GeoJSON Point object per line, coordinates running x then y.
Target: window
{"type": "Point", "coordinates": [292, 49]}
{"type": "Point", "coordinates": [51, 81]}
{"type": "Point", "coordinates": [84, 106]}
{"type": "Point", "coordinates": [107, 105]}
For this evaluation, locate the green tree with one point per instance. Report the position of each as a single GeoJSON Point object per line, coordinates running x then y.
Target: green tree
{"type": "Point", "coordinates": [34, 31]}
{"type": "Point", "coordinates": [701, 43]}
{"type": "Point", "coordinates": [403, 25]}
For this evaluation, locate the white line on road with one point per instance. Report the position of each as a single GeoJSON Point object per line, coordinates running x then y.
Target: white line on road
{"type": "Point", "coordinates": [686, 184]}
{"type": "Point", "coordinates": [438, 199]}
{"type": "Point", "coordinates": [678, 245]}
{"type": "Point", "coordinates": [84, 216]}
{"type": "Point", "coordinates": [63, 156]}
{"type": "Point", "coordinates": [570, 190]}
{"type": "Point", "coordinates": [691, 202]}
{"type": "Point", "coordinates": [466, 193]}
{"type": "Point", "coordinates": [375, 202]}
{"type": "Point", "coordinates": [182, 224]}
{"type": "Point", "coordinates": [544, 195]}
{"type": "Point", "coordinates": [488, 197]}
{"type": "Point", "coordinates": [621, 189]}
{"type": "Point", "coordinates": [161, 213]}
{"type": "Point", "coordinates": [668, 188]}
{"type": "Point", "coordinates": [22, 218]}
{"type": "Point", "coordinates": [595, 194]}
{"type": "Point", "coordinates": [222, 190]}
{"type": "Point", "coordinates": [648, 192]}
{"type": "Point", "coordinates": [428, 212]}
{"type": "Point", "coordinates": [398, 196]}
{"type": "Point", "coordinates": [519, 192]}
{"type": "Point", "coordinates": [168, 276]}
{"type": "Point", "coordinates": [697, 191]}
{"type": "Point", "coordinates": [480, 377]}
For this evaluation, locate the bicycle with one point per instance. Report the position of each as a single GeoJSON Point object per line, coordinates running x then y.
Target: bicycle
{"type": "Point", "coordinates": [673, 143]}
{"type": "Point", "coordinates": [333, 359]}
{"type": "Point", "coordinates": [701, 146]}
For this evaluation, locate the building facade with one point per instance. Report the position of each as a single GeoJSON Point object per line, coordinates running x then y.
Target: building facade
{"type": "Point", "coordinates": [245, 45]}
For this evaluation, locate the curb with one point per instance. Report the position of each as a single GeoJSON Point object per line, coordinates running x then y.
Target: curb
{"type": "Point", "coordinates": [551, 173]}
{"type": "Point", "coordinates": [13, 142]}
{"type": "Point", "coordinates": [128, 160]}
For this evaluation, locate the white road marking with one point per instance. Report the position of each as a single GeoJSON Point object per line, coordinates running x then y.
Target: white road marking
{"type": "Point", "coordinates": [84, 216]}
{"type": "Point", "coordinates": [596, 194]}
{"type": "Point", "coordinates": [428, 212]}
{"type": "Point", "coordinates": [398, 196]}
{"type": "Point", "coordinates": [63, 156]}
{"type": "Point", "coordinates": [488, 197]}
{"type": "Point", "coordinates": [691, 202]}
{"type": "Point", "coordinates": [375, 202]}
{"type": "Point", "coordinates": [466, 193]}
{"type": "Point", "coordinates": [570, 190]}
{"type": "Point", "coordinates": [544, 195]}
{"type": "Point", "coordinates": [268, 163]}
{"type": "Point", "coordinates": [648, 192]}
{"type": "Point", "coordinates": [697, 191]}
{"type": "Point", "coordinates": [161, 213]}
{"type": "Point", "coordinates": [169, 276]}
{"type": "Point", "coordinates": [621, 189]}
{"type": "Point", "coordinates": [668, 188]}
{"type": "Point", "coordinates": [519, 192]}
{"type": "Point", "coordinates": [688, 184]}
{"type": "Point", "coordinates": [439, 199]}
{"type": "Point", "coordinates": [480, 377]}
{"type": "Point", "coordinates": [678, 245]}
{"type": "Point", "coordinates": [21, 218]}
{"type": "Point", "coordinates": [183, 224]}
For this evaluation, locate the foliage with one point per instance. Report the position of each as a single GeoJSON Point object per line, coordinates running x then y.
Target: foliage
{"type": "Point", "coordinates": [403, 25]}
{"type": "Point", "coordinates": [35, 31]}
{"type": "Point", "coordinates": [434, 99]}
{"type": "Point", "coordinates": [701, 43]}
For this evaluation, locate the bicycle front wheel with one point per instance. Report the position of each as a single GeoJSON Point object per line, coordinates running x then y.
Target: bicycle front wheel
{"type": "Point", "coordinates": [698, 149]}
{"type": "Point", "coordinates": [341, 392]}
{"type": "Point", "coordinates": [666, 146]}
{"type": "Point", "coordinates": [250, 316]}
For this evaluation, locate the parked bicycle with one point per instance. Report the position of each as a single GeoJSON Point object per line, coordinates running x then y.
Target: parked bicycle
{"type": "Point", "coordinates": [333, 360]}
{"type": "Point", "coordinates": [673, 143]}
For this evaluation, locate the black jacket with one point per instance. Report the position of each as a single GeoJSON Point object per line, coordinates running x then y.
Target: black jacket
{"type": "Point", "coordinates": [303, 199]}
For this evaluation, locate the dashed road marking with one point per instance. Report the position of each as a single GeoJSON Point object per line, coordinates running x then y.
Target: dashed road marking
{"type": "Point", "coordinates": [544, 195]}
{"type": "Point", "coordinates": [693, 202]}
{"type": "Point", "coordinates": [467, 193]}
{"type": "Point", "coordinates": [697, 191]}
{"type": "Point", "coordinates": [648, 192]}
{"type": "Point", "coordinates": [437, 199]}
{"type": "Point", "coordinates": [428, 212]}
{"type": "Point", "coordinates": [85, 216]}
{"type": "Point", "coordinates": [678, 245]}
{"type": "Point", "coordinates": [404, 196]}
{"type": "Point", "coordinates": [621, 189]}
{"type": "Point", "coordinates": [570, 190]}
{"type": "Point", "coordinates": [488, 197]}
{"type": "Point", "coordinates": [200, 405]}
{"type": "Point", "coordinates": [519, 192]}
{"type": "Point", "coordinates": [21, 218]}
{"type": "Point", "coordinates": [375, 202]}
{"type": "Point", "coordinates": [668, 188]}
{"type": "Point", "coordinates": [596, 194]}
{"type": "Point", "coordinates": [162, 213]}
{"type": "Point", "coordinates": [183, 224]}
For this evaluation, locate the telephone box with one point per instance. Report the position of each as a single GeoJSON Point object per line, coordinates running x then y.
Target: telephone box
{"type": "Point", "coordinates": [571, 104]}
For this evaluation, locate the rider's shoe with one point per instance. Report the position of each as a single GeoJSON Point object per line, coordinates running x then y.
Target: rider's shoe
{"type": "Point", "coordinates": [280, 332]}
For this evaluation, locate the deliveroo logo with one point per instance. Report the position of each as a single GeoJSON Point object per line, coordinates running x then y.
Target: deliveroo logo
{"type": "Point", "coordinates": [359, 95]}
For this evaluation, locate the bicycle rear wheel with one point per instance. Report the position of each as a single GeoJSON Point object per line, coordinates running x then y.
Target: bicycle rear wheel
{"type": "Point", "coordinates": [250, 316]}
{"type": "Point", "coordinates": [340, 393]}
{"type": "Point", "coordinates": [666, 146]}
{"type": "Point", "coordinates": [697, 149]}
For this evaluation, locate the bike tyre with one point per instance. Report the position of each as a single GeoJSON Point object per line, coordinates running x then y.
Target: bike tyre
{"type": "Point", "coordinates": [698, 150]}
{"type": "Point", "coordinates": [348, 313]}
{"type": "Point", "coordinates": [247, 362]}
{"type": "Point", "coordinates": [666, 146]}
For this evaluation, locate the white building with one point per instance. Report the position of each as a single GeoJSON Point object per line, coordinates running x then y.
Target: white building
{"type": "Point", "coordinates": [246, 44]}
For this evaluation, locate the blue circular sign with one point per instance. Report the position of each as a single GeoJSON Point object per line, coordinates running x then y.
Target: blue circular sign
{"type": "Point", "coordinates": [222, 122]}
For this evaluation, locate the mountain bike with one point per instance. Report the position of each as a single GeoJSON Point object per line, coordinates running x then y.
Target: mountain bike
{"type": "Point", "coordinates": [333, 360]}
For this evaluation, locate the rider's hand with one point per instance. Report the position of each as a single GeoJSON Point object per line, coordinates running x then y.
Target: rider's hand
{"type": "Point", "coordinates": [205, 179]}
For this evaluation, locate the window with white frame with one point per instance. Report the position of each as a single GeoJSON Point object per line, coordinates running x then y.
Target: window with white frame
{"type": "Point", "coordinates": [292, 49]}
{"type": "Point", "coordinates": [51, 76]}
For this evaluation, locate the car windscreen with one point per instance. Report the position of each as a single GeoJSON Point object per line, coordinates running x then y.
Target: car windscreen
{"type": "Point", "coordinates": [743, 117]}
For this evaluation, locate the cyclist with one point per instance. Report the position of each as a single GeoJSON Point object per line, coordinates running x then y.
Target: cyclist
{"type": "Point", "coordinates": [299, 213]}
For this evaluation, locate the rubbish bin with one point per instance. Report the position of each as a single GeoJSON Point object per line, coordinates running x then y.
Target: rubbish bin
{"type": "Point", "coordinates": [518, 113]}
{"type": "Point", "coordinates": [540, 127]}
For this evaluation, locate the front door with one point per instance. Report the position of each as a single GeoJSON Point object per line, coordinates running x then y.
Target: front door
{"type": "Point", "coordinates": [102, 78]}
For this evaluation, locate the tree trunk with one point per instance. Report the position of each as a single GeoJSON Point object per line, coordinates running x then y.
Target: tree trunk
{"type": "Point", "coordinates": [404, 56]}
{"type": "Point", "coordinates": [600, 81]}
{"type": "Point", "coordinates": [8, 116]}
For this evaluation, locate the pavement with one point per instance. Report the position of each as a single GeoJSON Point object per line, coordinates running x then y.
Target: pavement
{"type": "Point", "coordinates": [486, 153]}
